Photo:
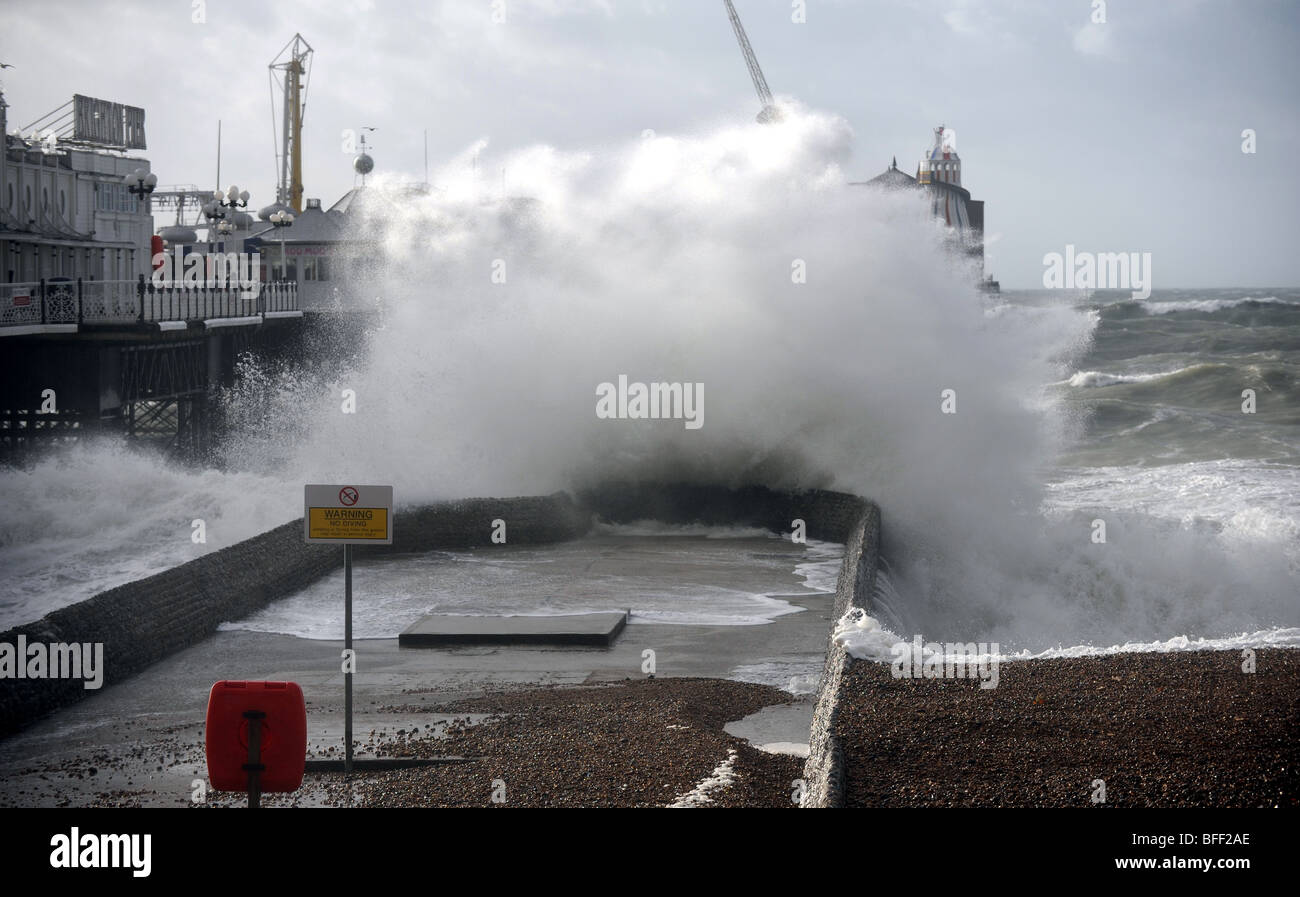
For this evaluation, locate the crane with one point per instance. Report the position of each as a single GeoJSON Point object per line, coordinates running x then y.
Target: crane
{"type": "Point", "coordinates": [294, 74]}
{"type": "Point", "coordinates": [770, 111]}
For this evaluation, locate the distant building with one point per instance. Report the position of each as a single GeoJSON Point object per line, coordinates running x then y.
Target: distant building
{"type": "Point", "coordinates": [305, 252]}
{"type": "Point", "coordinates": [939, 172]}
{"type": "Point", "coordinates": [65, 210]}
{"type": "Point", "coordinates": [329, 253]}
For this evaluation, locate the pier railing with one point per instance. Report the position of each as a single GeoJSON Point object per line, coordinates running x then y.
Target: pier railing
{"type": "Point", "coordinates": [134, 302]}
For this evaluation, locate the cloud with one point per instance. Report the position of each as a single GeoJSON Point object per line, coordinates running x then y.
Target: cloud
{"type": "Point", "coordinates": [966, 20]}
{"type": "Point", "coordinates": [960, 21]}
{"type": "Point", "coordinates": [972, 21]}
{"type": "Point", "coordinates": [1092, 39]}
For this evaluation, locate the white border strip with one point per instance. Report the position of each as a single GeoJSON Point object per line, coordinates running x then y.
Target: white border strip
{"type": "Point", "coordinates": [212, 323]}
{"type": "Point", "coordinates": [28, 329]}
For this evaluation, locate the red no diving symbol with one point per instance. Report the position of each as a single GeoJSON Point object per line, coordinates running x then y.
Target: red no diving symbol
{"type": "Point", "coordinates": [348, 495]}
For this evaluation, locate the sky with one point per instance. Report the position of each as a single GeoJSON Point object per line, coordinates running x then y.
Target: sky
{"type": "Point", "coordinates": [1122, 135]}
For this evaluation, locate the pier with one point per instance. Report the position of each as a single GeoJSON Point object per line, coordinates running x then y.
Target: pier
{"type": "Point", "coordinates": [128, 357]}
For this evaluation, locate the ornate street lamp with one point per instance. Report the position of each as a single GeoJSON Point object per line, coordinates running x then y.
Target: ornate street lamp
{"type": "Point", "coordinates": [282, 220]}
{"type": "Point", "coordinates": [141, 183]}
{"type": "Point", "coordinates": [213, 211]}
{"type": "Point", "coordinates": [233, 198]}
{"type": "Point", "coordinates": [216, 210]}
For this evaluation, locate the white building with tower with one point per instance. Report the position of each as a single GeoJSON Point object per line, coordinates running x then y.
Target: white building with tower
{"type": "Point", "coordinates": [66, 210]}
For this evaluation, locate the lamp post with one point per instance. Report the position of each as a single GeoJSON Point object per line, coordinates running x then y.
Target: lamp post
{"type": "Point", "coordinates": [234, 198]}
{"type": "Point", "coordinates": [141, 183]}
{"type": "Point", "coordinates": [282, 220]}
{"type": "Point", "coordinates": [215, 210]}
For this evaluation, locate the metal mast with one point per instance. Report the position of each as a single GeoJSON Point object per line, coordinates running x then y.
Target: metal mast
{"type": "Point", "coordinates": [770, 111]}
{"type": "Point", "coordinates": [295, 73]}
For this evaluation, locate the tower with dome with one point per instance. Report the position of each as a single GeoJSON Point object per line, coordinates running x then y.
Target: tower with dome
{"type": "Point", "coordinates": [939, 173]}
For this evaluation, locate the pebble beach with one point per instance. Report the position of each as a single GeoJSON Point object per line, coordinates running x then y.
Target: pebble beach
{"type": "Point", "coordinates": [1182, 729]}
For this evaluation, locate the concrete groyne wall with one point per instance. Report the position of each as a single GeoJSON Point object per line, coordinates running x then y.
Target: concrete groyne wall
{"type": "Point", "coordinates": [824, 769]}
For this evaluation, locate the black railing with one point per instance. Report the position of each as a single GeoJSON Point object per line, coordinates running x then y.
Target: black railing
{"type": "Point", "coordinates": [106, 302]}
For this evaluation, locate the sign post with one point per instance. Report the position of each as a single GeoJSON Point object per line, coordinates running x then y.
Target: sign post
{"type": "Point", "coordinates": [348, 515]}
{"type": "Point", "coordinates": [351, 658]}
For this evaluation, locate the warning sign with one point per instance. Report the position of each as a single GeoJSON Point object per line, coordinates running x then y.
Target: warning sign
{"type": "Point", "coordinates": [368, 524]}
{"type": "Point", "coordinates": [343, 514]}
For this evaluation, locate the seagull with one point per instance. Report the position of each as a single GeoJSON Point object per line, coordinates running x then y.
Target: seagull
{"type": "Point", "coordinates": [5, 65]}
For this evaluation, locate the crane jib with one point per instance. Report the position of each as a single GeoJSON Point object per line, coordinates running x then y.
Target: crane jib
{"type": "Point", "coordinates": [751, 62]}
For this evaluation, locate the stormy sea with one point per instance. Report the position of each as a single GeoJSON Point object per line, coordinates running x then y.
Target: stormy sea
{"type": "Point", "coordinates": [1117, 475]}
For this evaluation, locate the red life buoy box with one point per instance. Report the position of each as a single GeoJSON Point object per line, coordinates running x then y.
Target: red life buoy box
{"type": "Point", "coordinates": [282, 734]}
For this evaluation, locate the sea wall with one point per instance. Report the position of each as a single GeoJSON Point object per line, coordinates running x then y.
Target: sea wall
{"type": "Point", "coordinates": [830, 516]}
{"type": "Point", "coordinates": [824, 769]}
{"type": "Point", "coordinates": [145, 621]}
{"type": "Point", "coordinates": [142, 622]}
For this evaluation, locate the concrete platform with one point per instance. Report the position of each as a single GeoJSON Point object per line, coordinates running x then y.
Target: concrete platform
{"type": "Point", "coordinates": [569, 629]}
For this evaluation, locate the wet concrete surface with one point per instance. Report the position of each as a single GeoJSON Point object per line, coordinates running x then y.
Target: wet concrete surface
{"type": "Point", "coordinates": [141, 741]}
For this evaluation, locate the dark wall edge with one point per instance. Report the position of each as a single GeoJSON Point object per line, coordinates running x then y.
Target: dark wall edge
{"type": "Point", "coordinates": [824, 769]}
